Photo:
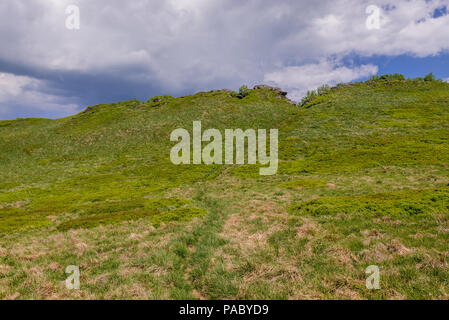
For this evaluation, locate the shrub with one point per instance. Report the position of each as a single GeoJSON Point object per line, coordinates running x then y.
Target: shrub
{"type": "Point", "coordinates": [156, 217]}
{"type": "Point", "coordinates": [159, 98]}
{"type": "Point", "coordinates": [374, 78]}
{"type": "Point", "coordinates": [390, 77]}
{"type": "Point", "coordinates": [430, 77]}
{"type": "Point", "coordinates": [312, 94]}
{"type": "Point", "coordinates": [408, 202]}
{"type": "Point", "coordinates": [308, 97]}
{"type": "Point", "coordinates": [243, 92]}
{"type": "Point", "coordinates": [323, 89]}
{"type": "Point", "coordinates": [386, 77]}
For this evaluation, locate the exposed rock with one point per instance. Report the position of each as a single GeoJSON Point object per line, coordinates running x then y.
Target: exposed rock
{"type": "Point", "coordinates": [227, 91]}
{"type": "Point", "coordinates": [222, 90]}
{"type": "Point", "coordinates": [288, 100]}
{"type": "Point", "coordinates": [274, 89]}
{"type": "Point", "coordinates": [159, 98]}
{"type": "Point", "coordinates": [88, 110]}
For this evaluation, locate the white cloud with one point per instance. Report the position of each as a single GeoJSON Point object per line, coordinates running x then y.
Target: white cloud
{"type": "Point", "coordinates": [175, 36]}
{"type": "Point", "coordinates": [20, 93]}
{"type": "Point", "coordinates": [307, 77]}
{"type": "Point", "coordinates": [407, 27]}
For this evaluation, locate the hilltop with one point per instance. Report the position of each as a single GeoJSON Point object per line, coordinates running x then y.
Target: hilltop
{"type": "Point", "coordinates": [362, 180]}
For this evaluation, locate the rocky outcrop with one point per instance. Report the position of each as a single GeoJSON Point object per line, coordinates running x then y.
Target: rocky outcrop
{"type": "Point", "coordinates": [274, 89]}
{"type": "Point", "coordinates": [222, 90]}
{"type": "Point", "coordinates": [279, 91]}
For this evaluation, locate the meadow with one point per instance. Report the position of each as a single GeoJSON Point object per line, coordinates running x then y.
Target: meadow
{"type": "Point", "coordinates": [363, 180]}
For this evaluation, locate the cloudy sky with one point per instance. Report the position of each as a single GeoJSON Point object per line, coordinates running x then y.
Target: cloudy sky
{"type": "Point", "coordinates": [142, 48]}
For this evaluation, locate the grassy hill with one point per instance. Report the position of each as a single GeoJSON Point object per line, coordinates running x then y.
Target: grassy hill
{"type": "Point", "coordinates": [363, 180]}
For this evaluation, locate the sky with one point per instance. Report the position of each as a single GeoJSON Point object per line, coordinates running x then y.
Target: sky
{"type": "Point", "coordinates": [58, 56]}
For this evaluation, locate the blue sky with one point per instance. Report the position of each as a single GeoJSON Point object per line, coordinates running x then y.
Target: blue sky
{"type": "Point", "coordinates": [143, 48]}
{"type": "Point", "coordinates": [409, 66]}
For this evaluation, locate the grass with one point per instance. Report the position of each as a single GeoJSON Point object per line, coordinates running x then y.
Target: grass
{"type": "Point", "coordinates": [303, 184]}
{"type": "Point", "coordinates": [362, 180]}
{"type": "Point", "coordinates": [402, 203]}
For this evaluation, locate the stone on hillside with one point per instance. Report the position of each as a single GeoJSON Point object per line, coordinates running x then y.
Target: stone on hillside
{"type": "Point", "coordinates": [274, 89]}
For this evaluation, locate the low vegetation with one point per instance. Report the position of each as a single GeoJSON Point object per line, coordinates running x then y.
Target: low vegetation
{"type": "Point", "coordinates": [362, 180]}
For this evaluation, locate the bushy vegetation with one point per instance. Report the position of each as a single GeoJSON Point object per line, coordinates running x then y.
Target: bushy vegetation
{"type": "Point", "coordinates": [156, 217]}
{"type": "Point", "coordinates": [243, 92]}
{"type": "Point", "coordinates": [400, 77]}
{"type": "Point", "coordinates": [410, 202]}
{"type": "Point", "coordinates": [387, 77]}
{"type": "Point", "coordinates": [159, 98]}
{"type": "Point", "coordinates": [430, 77]}
{"type": "Point", "coordinates": [312, 94]}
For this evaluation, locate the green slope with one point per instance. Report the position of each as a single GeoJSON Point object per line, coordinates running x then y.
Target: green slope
{"type": "Point", "coordinates": [363, 179]}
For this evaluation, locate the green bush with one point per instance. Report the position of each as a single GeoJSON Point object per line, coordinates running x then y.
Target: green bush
{"type": "Point", "coordinates": [312, 94]}
{"type": "Point", "coordinates": [387, 77]}
{"type": "Point", "coordinates": [390, 77]}
{"type": "Point", "coordinates": [156, 217]}
{"type": "Point", "coordinates": [159, 98]}
{"type": "Point", "coordinates": [323, 89]}
{"type": "Point", "coordinates": [410, 202]}
{"type": "Point", "coordinates": [430, 77]}
{"type": "Point", "coordinates": [400, 77]}
{"type": "Point", "coordinates": [243, 92]}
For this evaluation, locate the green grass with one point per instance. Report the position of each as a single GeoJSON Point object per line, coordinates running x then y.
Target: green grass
{"type": "Point", "coordinates": [362, 180]}
{"type": "Point", "coordinates": [303, 184]}
{"type": "Point", "coordinates": [156, 217]}
{"type": "Point", "coordinates": [410, 202]}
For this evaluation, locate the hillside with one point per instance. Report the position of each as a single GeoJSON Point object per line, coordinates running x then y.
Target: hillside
{"type": "Point", "coordinates": [363, 180]}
